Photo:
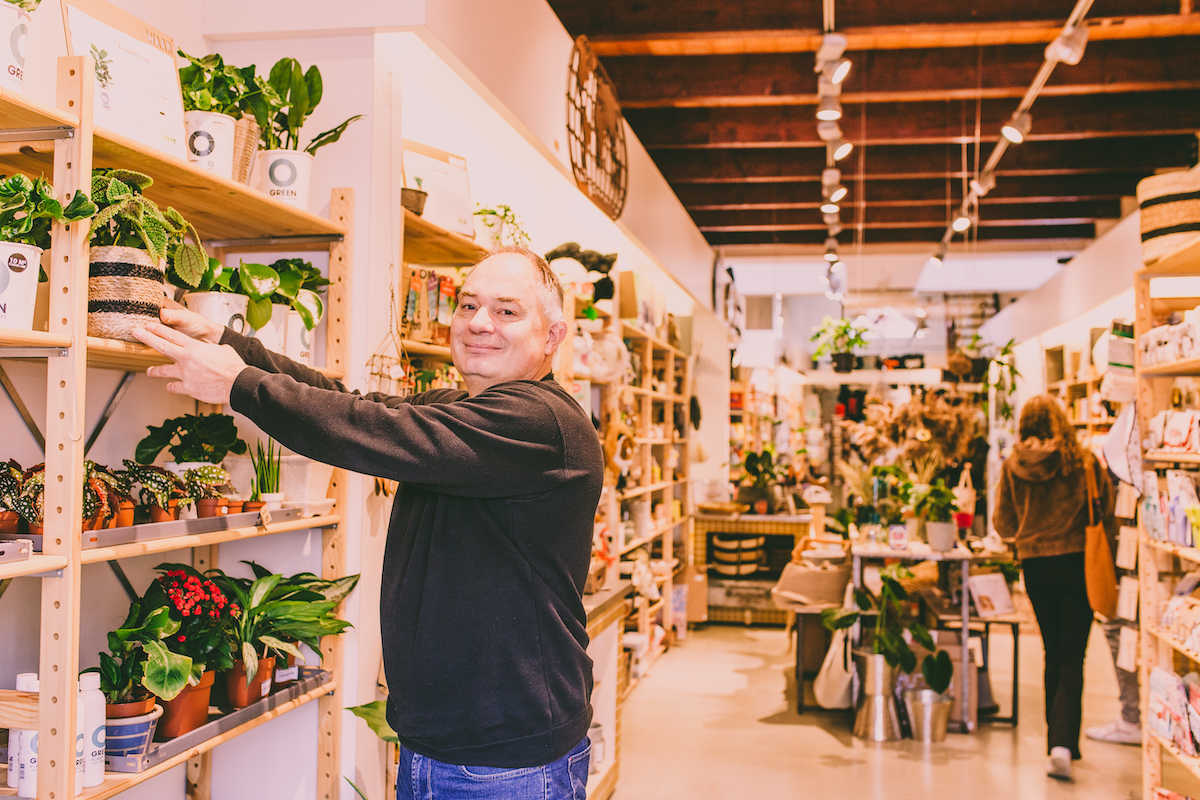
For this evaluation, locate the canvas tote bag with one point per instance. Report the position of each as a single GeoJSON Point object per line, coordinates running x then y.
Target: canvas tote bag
{"type": "Point", "coordinates": [832, 686]}
{"type": "Point", "coordinates": [1099, 571]}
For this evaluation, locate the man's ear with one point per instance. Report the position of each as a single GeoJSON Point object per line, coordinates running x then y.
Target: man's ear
{"type": "Point", "coordinates": [555, 336]}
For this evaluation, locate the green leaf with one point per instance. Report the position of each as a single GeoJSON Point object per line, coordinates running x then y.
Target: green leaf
{"type": "Point", "coordinates": [308, 304]}
{"type": "Point", "coordinates": [261, 588]}
{"type": "Point", "coordinates": [258, 281]}
{"type": "Point", "coordinates": [166, 673]}
{"type": "Point", "coordinates": [938, 671]}
{"type": "Point", "coordinates": [290, 281]}
{"type": "Point", "coordinates": [922, 637]}
{"type": "Point", "coordinates": [190, 264]}
{"type": "Point", "coordinates": [357, 790]}
{"type": "Point", "coordinates": [250, 661]}
{"type": "Point", "coordinates": [258, 312]}
{"type": "Point", "coordinates": [835, 619]}
{"type": "Point", "coordinates": [375, 715]}
{"type": "Point", "coordinates": [330, 136]}
{"type": "Point", "coordinates": [281, 646]}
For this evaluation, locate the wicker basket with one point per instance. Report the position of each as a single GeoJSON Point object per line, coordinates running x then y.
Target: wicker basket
{"type": "Point", "coordinates": [1170, 205]}
{"type": "Point", "coordinates": [126, 289]}
{"type": "Point", "coordinates": [245, 147]}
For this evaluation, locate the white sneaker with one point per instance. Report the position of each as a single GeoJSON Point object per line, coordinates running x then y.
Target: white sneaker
{"type": "Point", "coordinates": [1119, 732]}
{"type": "Point", "coordinates": [1060, 763]}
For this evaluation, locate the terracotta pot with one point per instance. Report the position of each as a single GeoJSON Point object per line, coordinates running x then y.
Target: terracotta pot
{"type": "Point", "coordinates": [223, 505]}
{"type": "Point", "coordinates": [208, 507]}
{"type": "Point", "coordinates": [240, 695]}
{"type": "Point", "coordinates": [124, 516]}
{"type": "Point", "coordinates": [252, 505]}
{"type": "Point", "coordinates": [187, 711]}
{"type": "Point", "coordinates": [36, 530]}
{"type": "Point", "coordinates": [9, 521]}
{"type": "Point", "coordinates": [127, 710]}
{"type": "Point", "coordinates": [168, 514]}
{"type": "Point", "coordinates": [234, 507]}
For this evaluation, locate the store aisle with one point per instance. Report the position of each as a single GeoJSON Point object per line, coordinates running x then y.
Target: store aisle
{"type": "Point", "coordinates": [712, 721]}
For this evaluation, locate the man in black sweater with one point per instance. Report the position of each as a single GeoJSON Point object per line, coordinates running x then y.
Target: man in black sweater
{"type": "Point", "coordinates": [483, 627]}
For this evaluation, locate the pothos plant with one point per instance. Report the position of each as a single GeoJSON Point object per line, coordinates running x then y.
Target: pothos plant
{"type": "Point", "coordinates": [289, 281]}
{"type": "Point", "coordinates": [296, 95]}
{"type": "Point", "coordinates": [209, 84]}
{"type": "Point", "coordinates": [28, 210]}
{"type": "Point", "coordinates": [838, 336]}
{"type": "Point", "coordinates": [504, 223]}
{"type": "Point", "coordinates": [128, 218]}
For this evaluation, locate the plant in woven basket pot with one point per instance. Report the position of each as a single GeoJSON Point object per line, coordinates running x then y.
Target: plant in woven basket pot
{"type": "Point", "coordinates": [284, 171]}
{"type": "Point", "coordinates": [134, 243]}
{"type": "Point", "coordinates": [163, 492]}
{"type": "Point", "coordinates": [205, 484]}
{"type": "Point", "coordinates": [28, 212]}
{"type": "Point", "coordinates": [839, 339]}
{"type": "Point", "coordinates": [10, 488]}
{"type": "Point", "coordinates": [222, 106]}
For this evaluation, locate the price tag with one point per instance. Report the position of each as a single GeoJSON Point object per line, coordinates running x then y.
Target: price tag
{"type": "Point", "coordinates": [266, 687]}
{"type": "Point", "coordinates": [264, 516]}
{"type": "Point", "coordinates": [287, 674]}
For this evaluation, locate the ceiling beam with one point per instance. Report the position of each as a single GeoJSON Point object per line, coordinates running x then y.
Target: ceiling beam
{"type": "Point", "coordinates": [888, 37]}
{"type": "Point", "coordinates": [1065, 236]}
{"type": "Point", "coordinates": [929, 191]}
{"type": "Point", "coordinates": [1109, 67]}
{"type": "Point", "coordinates": [914, 216]}
{"type": "Point", "coordinates": [933, 122]}
{"type": "Point", "coordinates": [1137, 156]}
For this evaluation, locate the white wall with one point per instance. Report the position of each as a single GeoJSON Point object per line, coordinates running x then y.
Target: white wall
{"type": "Point", "coordinates": [710, 346]}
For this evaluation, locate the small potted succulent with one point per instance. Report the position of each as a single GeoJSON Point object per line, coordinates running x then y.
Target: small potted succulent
{"type": "Point", "coordinates": [205, 484]}
{"type": "Point", "coordinates": [133, 246]}
{"type": "Point", "coordinates": [164, 493]}
{"type": "Point", "coordinates": [264, 485]}
{"type": "Point", "coordinates": [203, 615]}
{"type": "Point", "coordinates": [10, 490]}
{"type": "Point", "coordinates": [28, 211]}
{"type": "Point", "coordinates": [839, 339]}
{"type": "Point", "coordinates": [220, 105]}
{"type": "Point", "coordinates": [936, 505]}
{"type": "Point", "coordinates": [283, 171]}
{"type": "Point", "coordinates": [193, 440]}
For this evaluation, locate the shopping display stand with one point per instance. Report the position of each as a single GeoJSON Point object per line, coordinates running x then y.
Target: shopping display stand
{"type": "Point", "coordinates": [232, 217]}
{"type": "Point", "coordinates": [1157, 560]}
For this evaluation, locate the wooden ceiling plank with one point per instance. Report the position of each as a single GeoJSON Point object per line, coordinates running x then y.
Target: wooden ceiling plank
{"type": "Point", "coordinates": [1074, 235]}
{"type": "Point", "coordinates": [914, 216]}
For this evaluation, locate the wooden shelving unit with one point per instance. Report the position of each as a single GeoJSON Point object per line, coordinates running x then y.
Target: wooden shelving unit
{"type": "Point", "coordinates": [221, 210]}
{"type": "Point", "coordinates": [428, 244]}
{"type": "Point", "coordinates": [1161, 562]}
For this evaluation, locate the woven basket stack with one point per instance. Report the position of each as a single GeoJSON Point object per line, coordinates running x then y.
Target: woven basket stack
{"type": "Point", "coordinates": [1170, 206]}
{"type": "Point", "coordinates": [126, 290]}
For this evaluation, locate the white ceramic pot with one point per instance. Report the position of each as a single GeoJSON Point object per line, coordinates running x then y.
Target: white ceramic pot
{"type": "Point", "coordinates": [210, 141]}
{"type": "Point", "coordinates": [285, 175]}
{"type": "Point", "coordinates": [942, 536]}
{"type": "Point", "coordinates": [19, 268]}
{"type": "Point", "coordinates": [273, 335]}
{"type": "Point", "coordinates": [297, 339]}
{"type": "Point", "coordinates": [14, 38]}
{"type": "Point", "coordinates": [222, 308]}
{"type": "Point", "coordinates": [272, 501]}
{"type": "Point", "coordinates": [303, 480]}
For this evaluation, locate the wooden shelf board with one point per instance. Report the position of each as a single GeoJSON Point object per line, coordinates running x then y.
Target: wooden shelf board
{"type": "Point", "coordinates": [427, 243]}
{"type": "Point", "coordinates": [1189, 553]}
{"type": "Point", "coordinates": [1178, 458]}
{"type": "Point", "coordinates": [10, 337]}
{"type": "Point", "coordinates": [1188, 366]}
{"type": "Point", "coordinates": [117, 782]}
{"type": "Point", "coordinates": [631, 331]}
{"type": "Point", "coordinates": [136, 357]}
{"type": "Point", "coordinates": [33, 565]}
{"type": "Point", "coordinates": [1185, 261]}
{"type": "Point", "coordinates": [1191, 763]}
{"type": "Point", "coordinates": [601, 784]}
{"type": "Point", "coordinates": [634, 544]}
{"type": "Point", "coordinates": [414, 348]}
{"type": "Point", "coordinates": [638, 491]}
{"type": "Point", "coordinates": [1163, 636]}
{"type": "Point", "coordinates": [18, 111]}
{"type": "Point", "coordinates": [132, 549]}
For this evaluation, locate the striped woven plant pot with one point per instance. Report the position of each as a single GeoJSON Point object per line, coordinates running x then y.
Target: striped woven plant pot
{"type": "Point", "coordinates": [1170, 205]}
{"type": "Point", "coordinates": [125, 291]}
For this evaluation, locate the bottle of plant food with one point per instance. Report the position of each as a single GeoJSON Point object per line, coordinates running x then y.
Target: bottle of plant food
{"type": "Point", "coordinates": [27, 758]}
{"type": "Point", "coordinates": [14, 734]}
{"type": "Point", "coordinates": [91, 711]}
{"type": "Point", "coordinates": [80, 747]}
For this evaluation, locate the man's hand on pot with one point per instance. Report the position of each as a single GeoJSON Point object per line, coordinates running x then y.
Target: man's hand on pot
{"type": "Point", "coordinates": [191, 323]}
{"type": "Point", "coordinates": [201, 370]}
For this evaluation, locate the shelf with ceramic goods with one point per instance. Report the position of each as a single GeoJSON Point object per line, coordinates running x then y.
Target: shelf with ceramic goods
{"type": "Point", "coordinates": [1184, 261]}
{"type": "Point", "coordinates": [631, 331]}
{"type": "Point", "coordinates": [35, 565]}
{"type": "Point", "coordinates": [1167, 457]}
{"type": "Point", "coordinates": [1187, 553]}
{"type": "Point", "coordinates": [1190, 763]}
{"type": "Point", "coordinates": [1183, 367]}
{"type": "Point", "coordinates": [638, 491]}
{"type": "Point", "coordinates": [634, 544]}
{"type": "Point", "coordinates": [1177, 645]}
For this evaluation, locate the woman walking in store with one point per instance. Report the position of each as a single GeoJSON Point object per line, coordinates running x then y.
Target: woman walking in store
{"type": "Point", "coordinates": [1042, 502]}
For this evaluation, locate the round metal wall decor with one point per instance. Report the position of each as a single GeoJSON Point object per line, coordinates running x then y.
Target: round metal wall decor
{"type": "Point", "coordinates": [596, 131]}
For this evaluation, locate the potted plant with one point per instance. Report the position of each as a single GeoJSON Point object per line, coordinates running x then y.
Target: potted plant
{"type": "Point", "coordinates": [193, 441]}
{"type": "Point", "coordinates": [414, 199]}
{"type": "Point", "coordinates": [502, 224]}
{"type": "Point", "coordinates": [221, 104]}
{"type": "Point", "coordinates": [929, 707]}
{"type": "Point", "coordinates": [28, 211]}
{"type": "Point", "coordinates": [204, 615]}
{"type": "Point", "coordinates": [205, 484]}
{"type": "Point", "coordinates": [285, 303]}
{"type": "Point", "coordinates": [936, 505]}
{"type": "Point", "coordinates": [10, 489]}
{"type": "Point", "coordinates": [1005, 383]}
{"type": "Point", "coordinates": [218, 296]}
{"type": "Point", "coordinates": [120, 494]}
{"type": "Point", "coordinates": [99, 498]}
{"type": "Point", "coordinates": [283, 171]}
{"type": "Point", "coordinates": [30, 502]}
{"type": "Point", "coordinates": [760, 468]}
{"type": "Point", "coordinates": [133, 244]}
{"type": "Point", "coordinates": [163, 492]}
{"type": "Point", "coordinates": [839, 339]}
{"type": "Point", "coordinates": [264, 486]}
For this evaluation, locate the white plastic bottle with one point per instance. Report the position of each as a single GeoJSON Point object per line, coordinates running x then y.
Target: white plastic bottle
{"type": "Point", "coordinates": [91, 711]}
{"type": "Point", "coordinates": [27, 759]}
{"type": "Point", "coordinates": [80, 745]}
{"type": "Point", "coordinates": [14, 735]}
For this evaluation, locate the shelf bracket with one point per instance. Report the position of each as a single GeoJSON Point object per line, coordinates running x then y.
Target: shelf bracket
{"type": "Point", "coordinates": [36, 134]}
{"type": "Point", "coordinates": [4, 584]}
{"type": "Point", "coordinates": [115, 566]}
{"type": "Point", "coordinates": [33, 352]}
{"type": "Point", "coordinates": [19, 404]}
{"type": "Point", "coordinates": [122, 388]}
{"type": "Point", "coordinates": [321, 239]}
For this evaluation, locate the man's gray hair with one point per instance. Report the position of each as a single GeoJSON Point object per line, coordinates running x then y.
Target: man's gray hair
{"type": "Point", "coordinates": [550, 291]}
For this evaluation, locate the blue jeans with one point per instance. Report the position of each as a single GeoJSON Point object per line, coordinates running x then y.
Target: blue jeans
{"type": "Point", "coordinates": [422, 778]}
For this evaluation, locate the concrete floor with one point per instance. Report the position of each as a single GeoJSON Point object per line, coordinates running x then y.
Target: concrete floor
{"type": "Point", "coordinates": [716, 718]}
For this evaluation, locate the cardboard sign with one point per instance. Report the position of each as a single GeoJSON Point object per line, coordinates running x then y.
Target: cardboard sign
{"type": "Point", "coordinates": [137, 83]}
{"type": "Point", "coordinates": [444, 178]}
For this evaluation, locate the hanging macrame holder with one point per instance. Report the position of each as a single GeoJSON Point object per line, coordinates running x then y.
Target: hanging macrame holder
{"type": "Point", "coordinates": [385, 368]}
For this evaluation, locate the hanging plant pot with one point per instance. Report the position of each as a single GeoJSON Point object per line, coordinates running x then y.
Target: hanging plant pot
{"type": "Point", "coordinates": [130, 736]}
{"type": "Point", "coordinates": [126, 710]}
{"type": "Point", "coordinates": [843, 362]}
{"type": "Point", "coordinates": [14, 38]}
{"type": "Point", "coordinates": [125, 291]}
{"type": "Point", "coordinates": [285, 175]}
{"type": "Point", "coordinates": [210, 141]}
{"type": "Point", "coordinates": [188, 710]}
{"type": "Point", "coordinates": [223, 308]}
{"type": "Point", "coordinates": [239, 693]}
{"type": "Point", "coordinates": [20, 265]}
{"type": "Point", "coordinates": [414, 200]}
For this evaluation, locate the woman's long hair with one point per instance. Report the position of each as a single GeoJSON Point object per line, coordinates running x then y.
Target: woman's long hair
{"type": "Point", "coordinates": [1043, 417]}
